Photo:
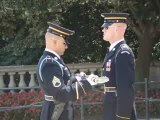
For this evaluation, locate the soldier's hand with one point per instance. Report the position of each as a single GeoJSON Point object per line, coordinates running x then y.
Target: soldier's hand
{"type": "Point", "coordinates": [95, 80]}
{"type": "Point", "coordinates": [78, 78]}
{"type": "Point", "coordinates": [75, 78]}
{"type": "Point", "coordinates": [92, 79]}
{"type": "Point", "coordinates": [81, 74]}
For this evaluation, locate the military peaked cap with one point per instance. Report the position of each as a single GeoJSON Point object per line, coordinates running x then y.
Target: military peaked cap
{"type": "Point", "coordinates": [110, 18]}
{"type": "Point", "coordinates": [58, 30]}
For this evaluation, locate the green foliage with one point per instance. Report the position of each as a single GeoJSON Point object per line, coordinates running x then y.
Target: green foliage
{"type": "Point", "coordinates": [143, 13]}
{"type": "Point", "coordinates": [23, 24]}
{"type": "Point", "coordinates": [132, 40]}
{"type": "Point", "coordinates": [156, 51]}
{"type": "Point", "coordinates": [87, 44]}
{"type": "Point", "coordinates": [145, 22]}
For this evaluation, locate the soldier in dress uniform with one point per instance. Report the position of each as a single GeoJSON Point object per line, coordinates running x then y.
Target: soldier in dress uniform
{"type": "Point", "coordinates": [55, 78]}
{"type": "Point", "coordinates": [119, 67]}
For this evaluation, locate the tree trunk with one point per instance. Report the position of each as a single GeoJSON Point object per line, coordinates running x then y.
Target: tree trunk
{"type": "Point", "coordinates": [144, 56]}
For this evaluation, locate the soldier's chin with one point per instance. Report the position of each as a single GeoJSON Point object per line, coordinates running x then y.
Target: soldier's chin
{"type": "Point", "coordinates": [105, 39]}
{"type": "Point", "coordinates": [62, 53]}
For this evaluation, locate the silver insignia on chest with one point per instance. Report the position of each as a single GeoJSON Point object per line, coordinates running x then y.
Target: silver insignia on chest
{"type": "Point", "coordinates": [108, 65]}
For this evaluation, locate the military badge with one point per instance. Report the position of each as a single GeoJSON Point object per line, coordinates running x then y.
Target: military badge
{"type": "Point", "coordinates": [56, 82]}
{"type": "Point", "coordinates": [49, 59]}
{"type": "Point", "coordinates": [108, 65]}
{"type": "Point", "coordinates": [124, 46]}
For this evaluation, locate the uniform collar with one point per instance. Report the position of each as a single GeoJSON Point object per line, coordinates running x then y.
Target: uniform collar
{"type": "Point", "coordinates": [53, 52]}
{"type": "Point", "coordinates": [114, 44]}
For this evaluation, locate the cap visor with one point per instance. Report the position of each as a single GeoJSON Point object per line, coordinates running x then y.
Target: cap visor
{"type": "Point", "coordinates": [105, 25]}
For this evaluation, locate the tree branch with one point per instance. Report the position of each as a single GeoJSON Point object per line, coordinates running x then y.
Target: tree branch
{"type": "Point", "coordinates": [137, 28]}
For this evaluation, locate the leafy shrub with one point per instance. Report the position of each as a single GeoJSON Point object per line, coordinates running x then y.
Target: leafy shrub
{"type": "Point", "coordinates": [92, 104]}
{"type": "Point", "coordinates": [20, 99]}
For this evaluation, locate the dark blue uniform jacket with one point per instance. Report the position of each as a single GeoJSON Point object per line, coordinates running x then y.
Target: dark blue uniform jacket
{"type": "Point", "coordinates": [55, 80]}
{"type": "Point", "coordinates": [119, 66]}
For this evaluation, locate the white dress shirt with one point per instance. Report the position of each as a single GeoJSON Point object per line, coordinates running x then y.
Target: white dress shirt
{"type": "Point", "coordinates": [51, 51]}
{"type": "Point", "coordinates": [114, 44]}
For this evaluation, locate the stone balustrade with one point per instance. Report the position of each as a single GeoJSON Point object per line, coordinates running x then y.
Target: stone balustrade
{"type": "Point", "coordinates": [25, 75]}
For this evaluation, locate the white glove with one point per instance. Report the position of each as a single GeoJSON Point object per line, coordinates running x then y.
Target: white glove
{"type": "Point", "coordinates": [80, 76]}
{"type": "Point", "coordinates": [95, 80]}
{"type": "Point", "coordinates": [92, 79]}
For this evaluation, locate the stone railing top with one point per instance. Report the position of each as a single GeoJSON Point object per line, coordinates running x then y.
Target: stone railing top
{"type": "Point", "coordinates": [28, 68]}
{"type": "Point", "coordinates": [72, 67]}
{"type": "Point", "coordinates": [20, 68]}
{"type": "Point", "coordinates": [84, 65]}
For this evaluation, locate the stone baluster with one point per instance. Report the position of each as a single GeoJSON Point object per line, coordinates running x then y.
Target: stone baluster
{"type": "Point", "coordinates": [11, 82]}
{"type": "Point", "coordinates": [72, 72]}
{"type": "Point", "coordinates": [2, 85]}
{"type": "Point", "coordinates": [22, 81]}
{"type": "Point", "coordinates": [101, 72]}
{"type": "Point", "coordinates": [32, 82]}
{"type": "Point", "coordinates": [92, 70]}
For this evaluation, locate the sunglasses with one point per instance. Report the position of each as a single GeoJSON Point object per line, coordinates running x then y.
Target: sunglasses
{"type": "Point", "coordinates": [106, 27]}
{"type": "Point", "coordinates": [109, 26]}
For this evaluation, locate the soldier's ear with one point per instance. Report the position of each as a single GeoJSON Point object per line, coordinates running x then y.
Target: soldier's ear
{"type": "Point", "coordinates": [54, 41]}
